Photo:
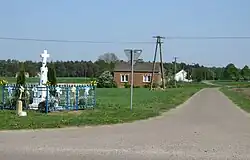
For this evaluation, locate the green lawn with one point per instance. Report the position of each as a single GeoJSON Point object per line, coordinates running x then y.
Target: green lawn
{"type": "Point", "coordinates": [112, 107]}
{"type": "Point", "coordinates": [239, 98]}
{"type": "Point", "coordinates": [59, 79]}
{"type": "Point", "coordinates": [232, 83]}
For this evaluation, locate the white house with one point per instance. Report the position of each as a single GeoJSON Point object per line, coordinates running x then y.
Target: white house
{"type": "Point", "coordinates": [181, 76]}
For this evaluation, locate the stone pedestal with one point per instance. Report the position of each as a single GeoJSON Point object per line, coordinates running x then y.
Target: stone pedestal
{"type": "Point", "coordinates": [19, 108]}
{"type": "Point", "coordinates": [35, 103]}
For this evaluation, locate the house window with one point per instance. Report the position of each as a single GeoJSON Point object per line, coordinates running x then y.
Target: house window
{"type": "Point", "coordinates": [124, 78]}
{"type": "Point", "coordinates": [147, 78]}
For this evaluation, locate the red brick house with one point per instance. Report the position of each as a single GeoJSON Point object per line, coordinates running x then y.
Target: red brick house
{"type": "Point", "coordinates": [142, 73]}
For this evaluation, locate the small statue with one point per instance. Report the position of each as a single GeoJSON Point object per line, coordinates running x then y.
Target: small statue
{"type": "Point", "coordinates": [35, 91]}
{"type": "Point", "coordinates": [21, 89]}
{"type": "Point", "coordinates": [86, 91]}
{"type": "Point", "coordinates": [10, 91]}
{"type": "Point", "coordinates": [73, 89]}
{"type": "Point", "coordinates": [58, 91]}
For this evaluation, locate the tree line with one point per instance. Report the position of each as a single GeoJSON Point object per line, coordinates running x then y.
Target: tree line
{"type": "Point", "coordinates": [107, 61]}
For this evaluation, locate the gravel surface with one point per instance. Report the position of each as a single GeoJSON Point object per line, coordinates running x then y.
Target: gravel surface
{"type": "Point", "coordinates": [207, 126]}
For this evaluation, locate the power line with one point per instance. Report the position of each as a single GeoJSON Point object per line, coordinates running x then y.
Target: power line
{"type": "Point", "coordinates": [208, 38]}
{"type": "Point", "coordinates": [128, 42]}
{"type": "Point", "coordinates": [69, 41]}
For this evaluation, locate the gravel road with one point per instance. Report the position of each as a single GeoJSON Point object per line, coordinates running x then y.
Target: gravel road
{"type": "Point", "coordinates": [207, 126]}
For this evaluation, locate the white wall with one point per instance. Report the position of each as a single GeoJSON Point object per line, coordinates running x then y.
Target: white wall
{"type": "Point", "coordinates": [181, 76]}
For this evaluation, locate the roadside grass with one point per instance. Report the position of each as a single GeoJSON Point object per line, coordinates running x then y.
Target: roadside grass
{"type": "Point", "coordinates": [112, 107]}
{"type": "Point", "coordinates": [195, 84]}
{"type": "Point", "coordinates": [239, 96]}
{"type": "Point", "coordinates": [59, 79]}
{"type": "Point", "coordinates": [234, 84]}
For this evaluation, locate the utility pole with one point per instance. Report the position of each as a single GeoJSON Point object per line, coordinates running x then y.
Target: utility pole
{"type": "Point", "coordinates": [175, 60]}
{"type": "Point", "coordinates": [158, 44]}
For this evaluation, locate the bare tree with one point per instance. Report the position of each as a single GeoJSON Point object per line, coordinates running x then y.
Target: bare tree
{"type": "Point", "coordinates": [108, 57]}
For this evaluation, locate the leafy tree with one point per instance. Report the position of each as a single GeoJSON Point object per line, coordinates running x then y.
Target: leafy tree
{"type": "Point", "coordinates": [52, 79]}
{"type": "Point", "coordinates": [108, 57]}
{"type": "Point", "coordinates": [198, 74]}
{"type": "Point", "coordinates": [106, 62]}
{"type": "Point", "coordinates": [189, 74]}
{"type": "Point", "coordinates": [231, 72]}
{"type": "Point", "coordinates": [21, 81]}
{"type": "Point", "coordinates": [245, 72]}
{"type": "Point", "coordinates": [52, 75]}
{"type": "Point", "coordinates": [21, 76]}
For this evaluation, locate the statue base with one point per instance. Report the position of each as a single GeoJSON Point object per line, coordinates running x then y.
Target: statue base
{"type": "Point", "coordinates": [22, 114]}
{"type": "Point", "coordinates": [19, 108]}
{"type": "Point", "coordinates": [35, 103]}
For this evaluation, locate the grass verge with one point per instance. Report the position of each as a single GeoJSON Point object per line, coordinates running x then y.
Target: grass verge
{"type": "Point", "coordinates": [239, 98]}
{"type": "Point", "coordinates": [112, 107]}
{"type": "Point", "coordinates": [233, 84]}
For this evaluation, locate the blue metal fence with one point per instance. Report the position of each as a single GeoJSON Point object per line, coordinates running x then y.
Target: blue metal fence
{"type": "Point", "coordinates": [60, 97]}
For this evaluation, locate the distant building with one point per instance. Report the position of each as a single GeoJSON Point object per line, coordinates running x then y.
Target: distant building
{"type": "Point", "coordinates": [181, 76]}
{"type": "Point", "coordinates": [142, 73]}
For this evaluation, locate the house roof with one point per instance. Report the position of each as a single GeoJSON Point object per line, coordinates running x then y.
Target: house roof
{"type": "Point", "coordinates": [138, 67]}
{"type": "Point", "coordinates": [181, 72]}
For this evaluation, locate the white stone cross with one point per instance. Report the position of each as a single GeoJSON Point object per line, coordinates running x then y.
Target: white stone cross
{"type": "Point", "coordinates": [44, 57]}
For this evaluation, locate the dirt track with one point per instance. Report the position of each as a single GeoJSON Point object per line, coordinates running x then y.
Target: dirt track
{"type": "Point", "coordinates": [208, 126]}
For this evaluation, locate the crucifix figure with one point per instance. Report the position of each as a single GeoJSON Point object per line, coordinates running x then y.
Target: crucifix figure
{"type": "Point", "coordinates": [44, 73]}
{"type": "Point", "coordinates": [44, 57]}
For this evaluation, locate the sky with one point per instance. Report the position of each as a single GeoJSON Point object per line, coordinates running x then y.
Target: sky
{"type": "Point", "coordinates": [126, 21]}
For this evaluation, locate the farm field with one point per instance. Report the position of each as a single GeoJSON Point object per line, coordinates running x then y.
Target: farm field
{"type": "Point", "coordinates": [59, 79]}
{"type": "Point", "coordinates": [112, 107]}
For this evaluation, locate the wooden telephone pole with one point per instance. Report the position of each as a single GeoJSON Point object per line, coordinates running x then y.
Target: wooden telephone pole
{"type": "Point", "coordinates": [175, 60]}
{"type": "Point", "coordinates": [158, 44]}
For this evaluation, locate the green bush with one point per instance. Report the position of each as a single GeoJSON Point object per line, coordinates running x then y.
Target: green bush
{"type": "Point", "coordinates": [20, 81]}
{"type": "Point", "coordinates": [105, 80]}
{"type": "Point", "coordinates": [52, 75]}
{"type": "Point", "coordinates": [127, 85]}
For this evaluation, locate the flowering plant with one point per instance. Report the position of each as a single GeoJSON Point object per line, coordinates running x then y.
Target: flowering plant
{"type": "Point", "coordinates": [93, 83]}
{"type": "Point", "coordinates": [3, 82]}
{"type": "Point", "coordinates": [48, 83]}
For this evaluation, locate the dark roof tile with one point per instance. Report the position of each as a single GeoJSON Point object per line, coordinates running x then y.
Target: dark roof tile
{"type": "Point", "coordinates": [138, 67]}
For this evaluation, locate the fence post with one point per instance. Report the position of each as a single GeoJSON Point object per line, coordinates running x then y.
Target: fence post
{"type": "Point", "coordinates": [46, 100]}
{"type": "Point", "coordinates": [77, 98]}
{"type": "Point", "coordinates": [94, 87]}
{"type": "Point", "coordinates": [3, 88]}
{"type": "Point", "coordinates": [67, 97]}
{"type": "Point", "coordinates": [85, 97]}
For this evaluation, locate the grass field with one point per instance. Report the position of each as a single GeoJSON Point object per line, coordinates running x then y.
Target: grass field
{"type": "Point", "coordinates": [232, 83]}
{"type": "Point", "coordinates": [240, 96]}
{"type": "Point", "coordinates": [59, 79]}
{"type": "Point", "coordinates": [112, 107]}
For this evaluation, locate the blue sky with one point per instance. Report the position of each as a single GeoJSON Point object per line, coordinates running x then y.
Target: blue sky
{"type": "Point", "coordinates": [127, 20]}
